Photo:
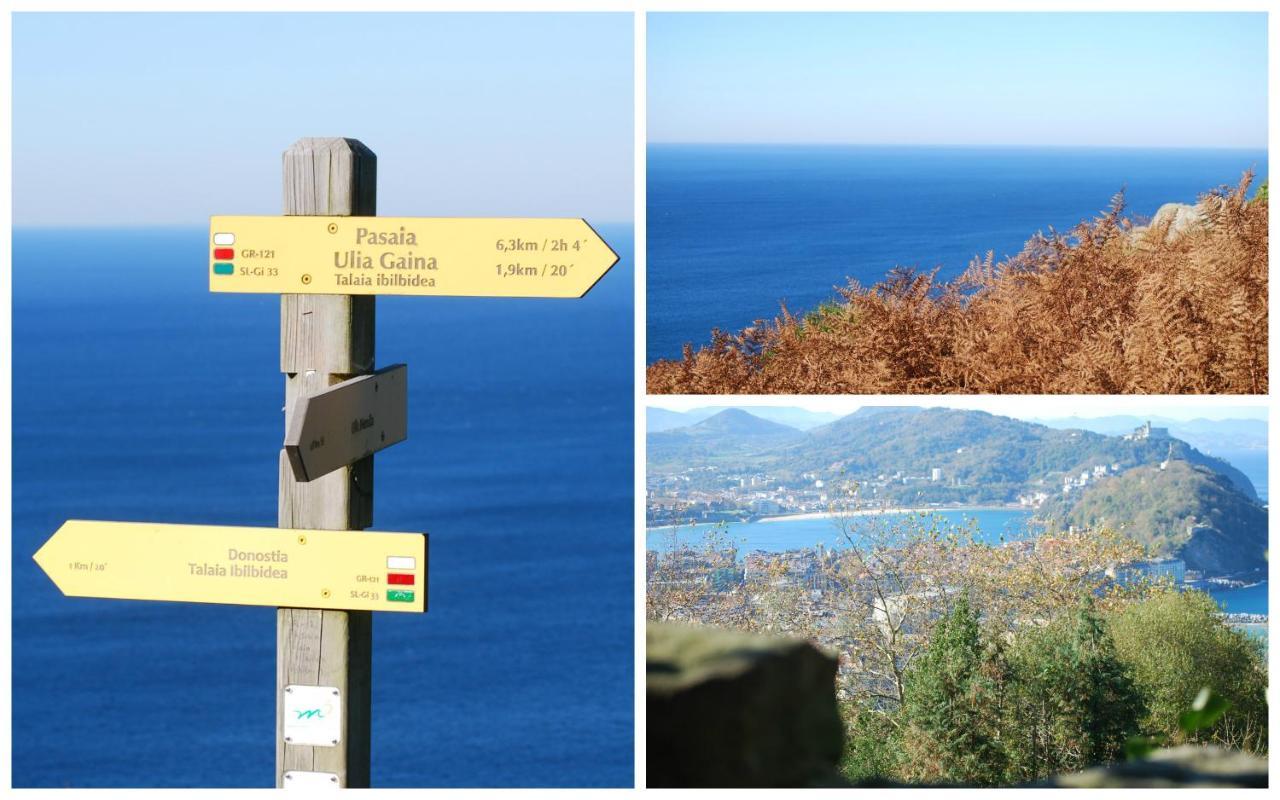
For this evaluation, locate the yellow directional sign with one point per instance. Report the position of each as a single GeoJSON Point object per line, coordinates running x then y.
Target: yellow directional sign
{"type": "Point", "coordinates": [343, 570]}
{"type": "Point", "coordinates": [406, 255]}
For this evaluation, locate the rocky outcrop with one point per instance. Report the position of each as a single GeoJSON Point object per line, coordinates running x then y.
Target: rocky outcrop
{"type": "Point", "coordinates": [1213, 552]}
{"type": "Point", "coordinates": [1180, 219]}
{"type": "Point", "coordinates": [732, 709]}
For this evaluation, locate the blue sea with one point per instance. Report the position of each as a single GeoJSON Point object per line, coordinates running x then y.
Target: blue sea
{"type": "Point", "coordinates": [991, 525]}
{"type": "Point", "coordinates": [734, 229]}
{"type": "Point", "coordinates": [782, 534]}
{"type": "Point", "coordinates": [138, 395]}
{"type": "Point", "coordinates": [1253, 463]}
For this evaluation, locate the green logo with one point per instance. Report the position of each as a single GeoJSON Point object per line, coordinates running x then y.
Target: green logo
{"type": "Point", "coordinates": [309, 713]}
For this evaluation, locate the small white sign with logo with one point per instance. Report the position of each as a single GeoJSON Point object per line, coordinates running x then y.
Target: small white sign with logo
{"type": "Point", "coordinates": [296, 779]}
{"type": "Point", "coordinates": [312, 715]}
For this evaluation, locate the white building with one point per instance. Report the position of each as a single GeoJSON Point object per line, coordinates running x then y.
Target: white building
{"type": "Point", "coordinates": [1145, 431]}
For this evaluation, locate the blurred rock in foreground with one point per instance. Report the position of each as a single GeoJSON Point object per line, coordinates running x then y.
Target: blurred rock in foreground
{"type": "Point", "coordinates": [1188, 765]}
{"type": "Point", "coordinates": [727, 708]}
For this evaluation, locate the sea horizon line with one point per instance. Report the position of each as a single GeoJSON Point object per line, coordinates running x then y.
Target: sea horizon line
{"type": "Point", "coordinates": [961, 146]}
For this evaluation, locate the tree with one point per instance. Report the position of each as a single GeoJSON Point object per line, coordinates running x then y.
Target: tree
{"type": "Point", "coordinates": [1176, 644]}
{"type": "Point", "coordinates": [953, 704]}
{"type": "Point", "coordinates": [1074, 702]}
{"type": "Point", "coordinates": [1057, 699]}
{"type": "Point", "coordinates": [896, 574]}
{"type": "Point", "coordinates": [693, 583]}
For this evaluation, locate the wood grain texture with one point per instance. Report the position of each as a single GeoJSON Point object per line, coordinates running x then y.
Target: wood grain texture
{"type": "Point", "coordinates": [322, 434]}
{"type": "Point", "coordinates": [325, 339]}
{"type": "Point", "coordinates": [328, 333]}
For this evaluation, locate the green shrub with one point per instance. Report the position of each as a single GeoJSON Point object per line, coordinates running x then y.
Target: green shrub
{"type": "Point", "coordinates": [872, 747]}
{"type": "Point", "coordinates": [1177, 645]}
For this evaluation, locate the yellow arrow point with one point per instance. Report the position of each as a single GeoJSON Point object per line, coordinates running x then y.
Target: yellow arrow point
{"type": "Point", "coordinates": [51, 553]}
{"type": "Point", "coordinates": [609, 257]}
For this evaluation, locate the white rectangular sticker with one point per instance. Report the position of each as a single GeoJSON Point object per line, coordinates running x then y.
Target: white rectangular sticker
{"type": "Point", "coordinates": [298, 779]}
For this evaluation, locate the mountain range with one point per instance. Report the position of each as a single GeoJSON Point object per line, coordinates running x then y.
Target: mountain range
{"type": "Point", "coordinates": [662, 419]}
{"type": "Point", "coordinates": [989, 459]}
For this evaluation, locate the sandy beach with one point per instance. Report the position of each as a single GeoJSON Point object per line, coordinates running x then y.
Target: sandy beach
{"type": "Point", "coordinates": [866, 512]}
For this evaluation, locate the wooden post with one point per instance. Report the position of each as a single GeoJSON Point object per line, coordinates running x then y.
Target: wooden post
{"type": "Point", "coordinates": [325, 339]}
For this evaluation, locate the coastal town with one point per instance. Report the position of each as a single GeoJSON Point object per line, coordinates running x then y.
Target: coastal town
{"type": "Point", "coordinates": [816, 574]}
{"type": "Point", "coordinates": [710, 493]}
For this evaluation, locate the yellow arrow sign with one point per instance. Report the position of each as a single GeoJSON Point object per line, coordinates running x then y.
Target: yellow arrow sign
{"type": "Point", "coordinates": [343, 570]}
{"type": "Point", "coordinates": [406, 255]}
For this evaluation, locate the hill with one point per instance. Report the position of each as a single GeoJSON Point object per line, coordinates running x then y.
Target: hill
{"type": "Point", "coordinates": [791, 416]}
{"type": "Point", "coordinates": [736, 422]}
{"type": "Point", "coordinates": [661, 419]}
{"type": "Point", "coordinates": [1182, 510]}
{"type": "Point", "coordinates": [726, 436]}
{"type": "Point", "coordinates": [984, 458]}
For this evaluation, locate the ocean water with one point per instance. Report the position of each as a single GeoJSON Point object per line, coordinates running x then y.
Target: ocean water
{"type": "Point", "coordinates": [138, 395]}
{"type": "Point", "coordinates": [988, 525]}
{"type": "Point", "coordinates": [1253, 463]}
{"type": "Point", "coordinates": [1250, 599]}
{"type": "Point", "coordinates": [734, 229]}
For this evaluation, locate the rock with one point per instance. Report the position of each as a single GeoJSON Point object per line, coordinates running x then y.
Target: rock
{"type": "Point", "coordinates": [1188, 765]}
{"type": "Point", "coordinates": [1181, 217]}
{"type": "Point", "coordinates": [732, 709]}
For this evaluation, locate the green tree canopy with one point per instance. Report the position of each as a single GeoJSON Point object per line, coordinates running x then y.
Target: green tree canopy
{"type": "Point", "coordinates": [1176, 644]}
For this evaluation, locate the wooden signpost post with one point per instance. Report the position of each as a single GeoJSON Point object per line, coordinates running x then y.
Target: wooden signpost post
{"type": "Point", "coordinates": [324, 340]}
{"type": "Point", "coordinates": [328, 258]}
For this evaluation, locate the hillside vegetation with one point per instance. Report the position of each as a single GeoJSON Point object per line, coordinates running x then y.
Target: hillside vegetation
{"type": "Point", "coordinates": [985, 457]}
{"type": "Point", "coordinates": [1176, 307]}
{"type": "Point", "coordinates": [1182, 510]}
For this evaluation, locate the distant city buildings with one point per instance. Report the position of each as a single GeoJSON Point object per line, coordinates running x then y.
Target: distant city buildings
{"type": "Point", "coordinates": [1172, 570]}
{"type": "Point", "coordinates": [708, 494]}
{"type": "Point", "coordinates": [1086, 476]}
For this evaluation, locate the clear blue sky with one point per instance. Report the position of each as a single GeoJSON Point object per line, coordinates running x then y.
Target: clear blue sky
{"type": "Point", "coordinates": [1166, 80]}
{"type": "Point", "coordinates": [1041, 407]}
{"type": "Point", "coordinates": [143, 119]}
